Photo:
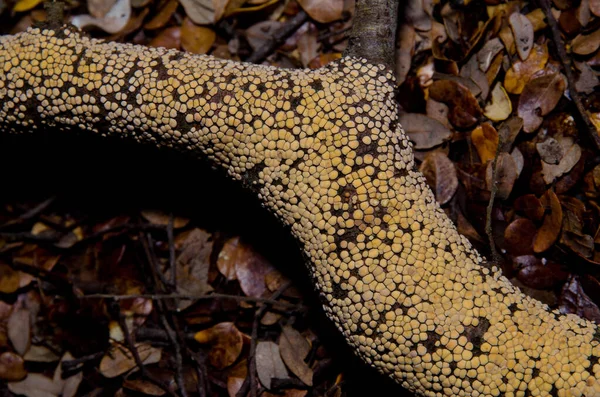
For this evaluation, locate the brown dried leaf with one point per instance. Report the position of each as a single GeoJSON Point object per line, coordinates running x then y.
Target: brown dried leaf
{"type": "Point", "coordinates": [406, 44]}
{"type": "Point", "coordinates": [508, 131]}
{"type": "Point", "coordinates": [119, 359]}
{"type": "Point", "coordinates": [12, 367]}
{"type": "Point", "coordinates": [196, 39]}
{"type": "Point", "coordinates": [573, 299]}
{"type": "Point", "coordinates": [226, 343]}
{"type": "Point", "coordinates": [424, 131]}
{"type": "Point", "coordinates": [261, 32]}
{"type": "Point", "coordinates": [488, 52]}
{"type": "Point", "coordinates": [586, 44]}
{"type": "Point", "coordinates": [36, 385]}
{"type": "Point", "coordinates": [531, 206]}
{"type": "Point", "coordinates": [269, 364]}
{"type": "Point", "coordinates": [522, 30]}
{"type": "Point", "coordinates": [539, 97]}
{"type": "Point", "coordinates": [464, 109]}
{"type": "Point", "coordinates": [550, 230]}
{"type": "Point", "coordinates": [572, 154]}
{"type": "Point", "coordinates": [167, 38]}
{"type": "Point", "coordinates": [19, 330]}
{"type": "Point", "coordinates": [595, 7]}
{"type": "Point", "coordinates": [294, 348]}
{"type": "Point", "coordinates": [323, 11]}
{"type": "Point", "coordinates": [160, 218]}
{"type": "Point", "coordinates": [441, 173]}
{"type": "Point", "coordinates": [193, 264]}
{"type": "Point", "coordinates": [308, 44]}
{"type": "Point", "coordinates": [228, 257]}
{"type": "Point", "coordinates": [163, 15]}
{"type": "Point", "coordinates": [506, 175]}
{"type": "Point", "coordinates": [115, 20]}
{"type": "Point", "coordinates": [519, 235]}
{"type": "Point", "coordinates": [143, 386]}
{"type": "Point", "coordinates": [10, 279]}
{"type": "Point", "coordinates": [550, 151]}
{"type": "Point", "coordinates": [99, 8]}
{"type": "Point", "coordinates": [521, 71]}
{"type": "Point", "coordinates": [537, 273]}
{"type": "Point", "coordinates": [500, 106]}
{"type": "Point", "coordinates": [485, 139]}
{"type": "Point", "coordinates": [202, 12]}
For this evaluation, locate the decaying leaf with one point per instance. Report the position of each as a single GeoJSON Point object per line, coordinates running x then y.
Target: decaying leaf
{"type": "Point", "coordinates": [196, 39]}
{"type": "Point", "coordinates": [571, 153]}
{"type": "Point", "coordinates": [192, 265]}
{"type": "Point", "coordinates": [294, 348]}
{"type": "Point", "coordinates": [550, 150]}
{"type": "Point", "coordinates": [424, 131]}
{"type": "Point", "coordinates": [500, 106]}
{"type": "Point", "coordinates": [202, 12]}
{"type": "Point", "coordinates": [522, 30]}
{"type": "Point", "coordinates": [35, 385]}
{"type": "Point", "coordinates": [521, 71]}
{"type": "Point", "coordinates": [519, 235]}
{"type": "Point", "coordinates": [573, 299]}
{"type": "Point", "coordinates": [323, 11]}
{"type": "Point", "coordinates": [112, 22]}
{"type": "Point", "coordinates": [226, 343]}
{"type": "Point", "coordinates": [163, 15]}
{"type": "Point", "coordinates": [485, 139]}
{"type": "Point", "coordinates": [550, 229]}
{"type": "Point", "coordinates": [269, 364]}
{"type": "Point", "coordinates": [259, 33]}
{"type": "Point", "coordinates": [119, 359]}
{"type": "Point", "coordinates": [464, 108]}
{"type": "Point", "coordinates": [441, 174]}
{"type": "Point", "coordinates": [539, 97]}
{"type": "Point", "coordinates": [10, 279]}
{"type": "Point", "coordinates": [539, 273]}
{"type": "Point", "coordinates": [251, 270]}
{"type": "Point", "coordinates": [586, 44]}
{"type": "Point", "coordinates": [19, 330]}
{"type": "Point", "coordinates": [160, 218]}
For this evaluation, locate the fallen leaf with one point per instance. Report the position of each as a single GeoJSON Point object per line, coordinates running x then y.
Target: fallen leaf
{"type": "Point", "coordinates": [500, 106]}
{"type": "Point", "coordinates": [586, 81]}
{"type": "Point", "coordinates": [143, 386]}
{"type": "Point", "coordinates": [572, 154]}
{"type": "Point", "coordinates": [228, 256]}
{"type": "Point", "coordinates": [406, 44]}
{"type": "Point", "coordinates": [441, 174]}
{"type": "Point", "coordinates": [19, 330]}
{"type": "Point", "coordinates": [196, 39]}
{"type": "Point", "coordinates": [251, 270]}
{"type": "Point", "coordinates": [163, 15]}
{"type": "Point", "coordinates": [538, 273]}
{"type": "Point", "coordinates": [508, 131]}
{"type": "Point", "coordinates": [25, 5]}
{"type": "Point", "coordinates": [36, 385]}
{"type": "Point", "coordinates": [424, 131]}
{"type": "Point", "coordinates": [99, 8]}
{"type": "Point", "coordinates": [10, 279]}
{"type": "Point", "coordinates": [294, 348]}
{"type": "Point", "coordinates": [550, 150]}
{"type": "Point", "coordinates": [119, 359]}
{"type": "Point", "coordinates": [112, 22]}
{"type": "Point", "coordinates": [261, 32]}
{"type": "Point", "coordinates": [464, 109]}
{"type": "Point", "coordinates": [595, 7]}
{"type": "Point", "coordinates": [308, 44]}
{"type": "Point", "coordinates": [160, 218]}
{"type": "Point", "coordinates": [40, 353]}
{"type": "Point", "coordinates": [201, 12]}
{"type": "Point", "coordinates": [269, 364]}
{"type": "Point", "coordinates": [192, 265]}
{"type": "Point", "coordinates": [12, 367]}
{"type": "Point", "coordinates": [519, 235]}
{"type": "Point", "coordinates": [573, 299]}
{"type": "Point", "coordinates": [539, 97]}
{"type": "Point", "coordinates": [506, 175]}
{"type": "Point", "coordinates": [550, 229]}
{"type": "Point", "coordinates": [586, 44]}
{"type": "Point", "coordinates": [518, 159]}
{"type": "Point", "coordinates": [531, 206]}
{"type": "Point", "coordinates": [488, 52]}
{"type": "Point", "coordinates": [226, 343]}
{"type": "Point", "coordinates": [522, 30]}
{"type": "Point", "coordinates": [68, 384]}
{"type": "Point", "coordinates": [521, 71]}
{"type": "Point", "coordinates": [323, 11]}
{"type": "Point", "coordinates": [485, 139]}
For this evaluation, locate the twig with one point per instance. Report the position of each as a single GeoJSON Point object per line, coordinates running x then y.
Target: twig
{"type": "Point", "coordinates": [496, 258]}
{"type": "Point", "coordinates": [171, 239]}
{"type": "Point", "coordinates": [566, 64]}
{"type": "Point", "coordinates": [373, 35]}
{"type": "Point", "coordinates": [30, 213]}
{"type": "Point", "coordinates": [277, 39]}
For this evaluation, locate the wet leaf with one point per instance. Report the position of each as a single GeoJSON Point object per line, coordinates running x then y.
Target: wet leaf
{"type": "Point", "coordinates": [572, 154]}
{"type": "Point", "coordinates": [12, 367]}
{"type": "Point", "coordinates": [521, 71]}
{"type": "Point", "coordinates": [196, 39]}
{"type": "Point", "coordinates": [519, 235]}
{"type": "Point", "coordinates": [539, 97]}
{"type": "Point", "coordinates": [506, 175]}
{"type": "Point", "coordinates": [323, 11]}
{"type": "Point", "coordinates": [112, 22]}
{"type": "Point", "coordinates": [119, 359]}
{"type": "Point", "coordinates": [573, 299]}
{"type": "Point", "coordinates": [226, 343]}
{"type": "Point", "coordinates": [485, 140]}
{"type": "Point", "coordinates": [441, 174]}
{"type": "Point", "coordinates": [424, 131]}
{"type": "Point", "coordinates": [500, 106]}
{"type": "Point", "coordinates": [464, 109]}
{"type": "Point", "coordinates": [269, 364]}
{"type": "Point", "coordinates": [522, 30]}
{"type": "Point", "coordinates": [550, 229]}
{"type": "Point", "coordinates": [294, 348]}
{"type": "Point", "coordinates": [19, 330]}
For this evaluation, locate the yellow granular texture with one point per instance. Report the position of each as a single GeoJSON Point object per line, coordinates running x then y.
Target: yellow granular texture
{"type": "Point", "coordinates": [324, 150]}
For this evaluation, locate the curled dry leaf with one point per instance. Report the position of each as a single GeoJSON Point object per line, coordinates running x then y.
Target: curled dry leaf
{"type": "Point", "coordinates": [441, 174]}
{"type": "Point", "coordinates": [522, 71]}
{"type": "Point", "coordinates": [226, 343]}
{"type": "Point", "coordinates": [12, 367]}
{"type": "Point", "coordinates": [500, 106]}
{"type": "Point", "coordinates": [424, 131]}
{"type": "Point", "coordinates": [506, 175]}
{"type": "Point", "coordinates": [196, 39]}
{"type": "Point", "coordinates": [112, 22]}
{"type": "Point", "coordinates": [571, 155]}
{"type": "Point", "coordinates": [550, 229]}
{"type": "Point", "coordinates": [464, 109]}
{"type": "Point", "coordinates": [269, 364]}
{"type": "Point", "coordinates": [522, 30]}
{"type": "Point", "coordinates": [519, 235]}
{"type": "Point", "coordinates": [485, 139]}
{"type": "Point", "coordinates": [294, 348]}
{"type": "Point", "coordinates": [323, 11]}
{"type": "Point", "coordinates": [539, 97]}
{"type": "Point", "coordinates": [119, 359]}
